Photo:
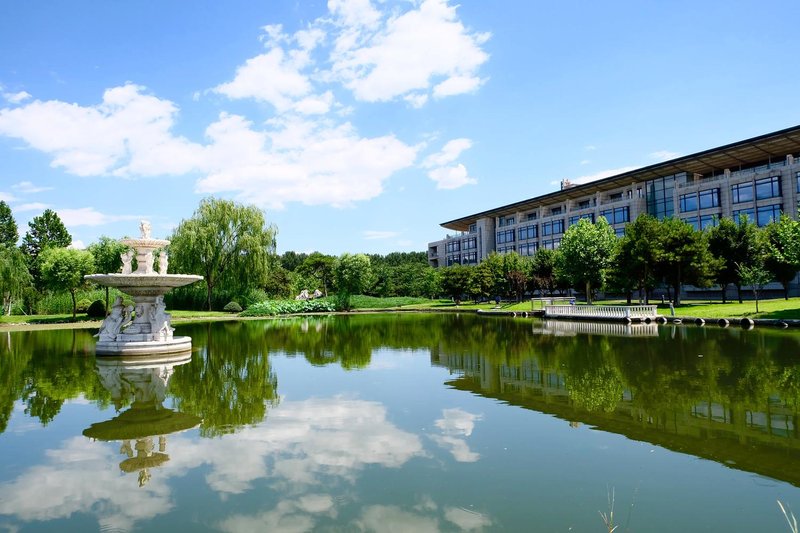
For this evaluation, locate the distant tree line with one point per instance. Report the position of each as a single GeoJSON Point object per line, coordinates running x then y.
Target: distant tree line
{"type": "Point", "coordinates": [234, 248]}
{"type": "Point", "coordinates": [652, 254]}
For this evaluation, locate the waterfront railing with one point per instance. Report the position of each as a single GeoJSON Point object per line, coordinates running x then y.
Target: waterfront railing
{"type": "Point", "coordinates": [602, 312]}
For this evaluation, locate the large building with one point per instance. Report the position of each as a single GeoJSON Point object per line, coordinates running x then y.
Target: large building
{"type": "Point", "coordinates": [758, 177]}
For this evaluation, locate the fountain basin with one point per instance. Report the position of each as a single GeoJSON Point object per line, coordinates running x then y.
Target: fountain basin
{"type": "Point", "coordinates": [144, 284]}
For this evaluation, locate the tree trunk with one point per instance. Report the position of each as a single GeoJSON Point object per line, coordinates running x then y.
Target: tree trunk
{"type": "Point", "coordinates": [677, 288]}
{"type": "Point", "coordinates": [630, 296]}
{"type": "Point", "coordinates": [588, 293]}
{"type": "Point", "coordinates": [209, 288]}
{"type": "Point", "coordinates": [785, 290]}
{"type": "Point", "coordinates": [74, 305]}
{"type": "Point", "coordinates": [739, 291]}
{"type": "Point", "coordinates": [724, 287]}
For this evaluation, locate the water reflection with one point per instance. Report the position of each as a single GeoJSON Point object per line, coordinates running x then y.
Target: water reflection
{"type": "Point", "coordinates": [141, 382]}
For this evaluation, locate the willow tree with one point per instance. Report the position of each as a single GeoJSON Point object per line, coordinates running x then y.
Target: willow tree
{"type": "Point", "coordinates": [14, 276]}
{"type": "Point", "coordinates": [585, 253]}
{"type": "Point", "coordinates": [230, 244]}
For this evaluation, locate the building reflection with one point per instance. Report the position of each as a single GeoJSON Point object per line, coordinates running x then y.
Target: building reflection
{"type": "Point", "coordinates": [759, 436]}
{"type": "Point", "coordinates": [140, 382]}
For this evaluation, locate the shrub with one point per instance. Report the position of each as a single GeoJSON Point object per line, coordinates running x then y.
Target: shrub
{"type": "Point", "coordinates": [83, 305]}
{"type": "Point", "coordinates": [97, 309]}
{"type": "Point", "coordinates": [287, 307]}
{"type": "Point", "coordinates": [232, 307]}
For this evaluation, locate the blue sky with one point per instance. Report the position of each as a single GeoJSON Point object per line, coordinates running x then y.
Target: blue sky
{"type": "Point", "coordinates": [360, 126]}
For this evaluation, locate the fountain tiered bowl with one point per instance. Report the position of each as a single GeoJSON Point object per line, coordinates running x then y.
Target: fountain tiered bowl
{"type": "Point", "coordinates": [143, 328]}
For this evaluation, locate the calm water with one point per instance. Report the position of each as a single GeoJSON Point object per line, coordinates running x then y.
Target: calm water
{"type": "Point", "coordinates": [404, 423]}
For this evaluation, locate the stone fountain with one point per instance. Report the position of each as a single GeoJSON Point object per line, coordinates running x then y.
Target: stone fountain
{"type": "Point", "coordinates": [143, 328]}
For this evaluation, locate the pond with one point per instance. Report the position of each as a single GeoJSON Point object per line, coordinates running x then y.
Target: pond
{"type": "Point", "coordinates": [404, 422]}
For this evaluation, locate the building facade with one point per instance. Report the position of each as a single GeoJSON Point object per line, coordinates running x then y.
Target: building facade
{"type": "Point", "coordinates": [758, 178]}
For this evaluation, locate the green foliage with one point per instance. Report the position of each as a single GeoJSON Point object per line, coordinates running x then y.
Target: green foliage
{"type": "Point", "coordinates": [733, 244]}
{"type": "Point", "coordinates": [353, 273]}
{"type": "Point", "coordinates": [228, 243]}
{"type": "Point", "coordinates": [15, 279]}
{"type": "Point", "coordinates": [8, 226]}
{"type": "Point", "coordinates": [456, 281]}
{"type": "Point", "coordinates": [543, 271]}
{"type": "Point", "coordinates": [318, 267]}
{"type": "Point", "coordinates": [292, 260]}
{"type": "Point", "coordinates": [63, 269]}
{"type": "Point", "coordinates": [361, 301]}
{"type": "Point", "coordinates": [756, 276]}
{"type": "Point", "coordinates": [682, 256]}
{"type": "Point", "coordinates": [782, 246]}
{"type": "Point", "coordinates": [634, 262]}
{"type": "Point", "coordinates": [232, 307]}
{"type": "Point", "coordinates": [97, 309]}
{"type": "Point", "coordinates": [289, 307]}
{"type": "Point", "coordinates": [585, 254]}
{"type": "Point", "coordinates": [83, 305]}
{"type": "Point", "coordinates": [45, 231]}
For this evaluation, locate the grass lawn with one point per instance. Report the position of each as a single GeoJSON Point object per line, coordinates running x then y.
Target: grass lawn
{"type": "Point", "coordinates": [67, 318]}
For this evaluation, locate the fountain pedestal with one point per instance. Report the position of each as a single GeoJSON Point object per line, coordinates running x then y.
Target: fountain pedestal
{"type": "Point", "coordinates": [143, 328]}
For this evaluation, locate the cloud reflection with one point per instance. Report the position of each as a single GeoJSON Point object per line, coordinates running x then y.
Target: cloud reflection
{"type": "Point", "coordinates": [455, 425]}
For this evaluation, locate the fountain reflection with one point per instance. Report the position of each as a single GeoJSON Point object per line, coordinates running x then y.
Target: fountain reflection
{"type": "Point", "coordinates": [140, 382]}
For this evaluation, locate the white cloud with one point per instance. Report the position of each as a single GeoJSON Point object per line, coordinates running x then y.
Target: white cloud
{"type": "Point", "coordinates": [664, 155]}
{"type": "Point", "coordinates": [451, 177]}
{"type": "Point", "coordinates": [467, 520]}
{"type": "Point", "coordinates": [445, 174]}
{"type": "Point", "coordinates": [590, 148]}
{"type": "Point", "coordinates": [6, 197]}
{"type": "Point", "coordinates": [585, 161]}
{"type": "Point", "coordinates": [385, 518]}
{"type": "Point", "coordinates": [374, 235]}
{"type": "Point", "coordinates": [271, 77]}
{"type": "Point", "coordinates": [315, 163]}
{"type": "Point", "coordinates": [27, 187]}
{"type": "Point", "coordinates": [406, 53]}
{"type": "Point", "coordinates": [32, 206]}
{"type": "Point", "coordinates": [127, 127]}
{"type": "Point", "coordinates": [416, 100]}
{"type": "Point", "coordinates": [16, 98]}
{"type": "Point", "coordinates": [455, 425]}
{"type": "Point", "coordinates": [77, 244]}
{"type": "Point", "coordinates": [448, 154]}
{"type": "Point", "coordinates": [598, 175]}
{"type": "Point", "coordinates": [88, 216]}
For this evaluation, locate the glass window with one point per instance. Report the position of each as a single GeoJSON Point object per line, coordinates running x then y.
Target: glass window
{"type": "Point", "coordinates": [453, 260]}
{"type": "Point", "coordinates": [583, 204]}
{"type": "Point", "coordinates": [622, 215]}
{"type": "Point", "coordinates": [749, 213]}
{"type": "Point", "coordinates": [742, 192]}
{"type": "Point", "coordinates": [692, 221]}
{"type": "Point", "coordinates": [615, 196]}
{"type": "Point", "coordinates": [505, 236]}
{"type": "Point", "coordinates": [470, 258]}
{"type": "Point", "coordinates": [555, 210]}
{"type": "Point", "coordinates": [532, 216]}
{"type": "Point", "coordinates": [798, 181]}
{"type": "Point", "coordinates": [504, 249]}
{"type": "Point", "coordinates": [551, 244]}
{"type": "Point", "coordinates": [709, 221]}
{"type": "Point", "coordinates": [553, 227]}
{"type": "Point", "coordinates": [528, 232]}
{"type": "Point", "coordinates": [469, 244]}
{"type": "Point", "coordinates": [768, 214]}
{"type": "Point", "coordinates": [576, 218]}
{"type": "Point", "coordinates": [453, 246]}
{"type": "Point", "coordinates": [473, 228]}
{"type": "Point", "coordinates": [768, 187]}
{"type": "Point", "coordinates": [619, 232]}
{"type": "Point", "coordinates": [688, 202]}
{"type": "Point", "coordinates": [658, 193]}
{"type": "Point", "coordinates": [528, 249]}
{"type": "Point", "coordinates": [709, 198]}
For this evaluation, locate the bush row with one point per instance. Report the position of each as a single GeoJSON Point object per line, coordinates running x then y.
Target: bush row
{"type": "Point", "coordinates": [286, 307]}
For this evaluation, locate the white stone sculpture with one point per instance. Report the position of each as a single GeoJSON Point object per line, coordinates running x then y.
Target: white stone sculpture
{"type": "Point", "coordinates": [163, 262]}
{"type": "Point", "coordinates": [126, 257]}
{"type": "Point", "coordinates": [113, 323]}
{"type": "Point", "coordinates": [144, 228]}
{"type": "Point", "coordinates": [148, 262]}
{"type": "Point", "coordinates": [317, 293]}
{"type": "Point", "coordinates": [160, 320]}
{"type": "Point", "coordinates": [303, 295]}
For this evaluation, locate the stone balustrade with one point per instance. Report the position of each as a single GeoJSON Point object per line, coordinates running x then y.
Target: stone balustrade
{"type": "Point", "coordinates": [601, 312]}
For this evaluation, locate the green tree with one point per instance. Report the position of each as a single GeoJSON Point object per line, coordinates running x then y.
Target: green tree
{"type": "Point", "coordinates": [634, 260]}
{"type": "Point", "coordinates": [8, 226]}
{"type": "Point", "coordinates": [64, 269]}
{"type": "Point", "coordinates": [516, 272]}
{"type": "Point", "coordinates": [291, 260]}
{"type": "Point", "coordinates": [107, 260]}
{"type": "Point", "coordinates": [230, 244]}
{"type": "Point", "coordinates": [543, 271]}
{"type": "Point", "coordinates": [585, 253]}
{"type": "Point", "coordinates": [320, 267]}
{"type": "Point", "coordinates": [734, 244]}
{"type": "Point", "coordinates": [456, 281]}
{"type": "Point", "coordinates": [756, 276]}
{"type": "Point", "coordinates": [14, 276]}
{"type": "Point", "coordinates": [45, 231]}
{"type": "Point", "coordinates": [782, 243]}
{"type": "Point", "coordinates": [683, 257]}
{"type": "Point", "coordinates": [353, 274]}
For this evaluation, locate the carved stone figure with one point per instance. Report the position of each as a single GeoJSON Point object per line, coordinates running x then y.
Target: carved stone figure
{"type": "Point", "coordinates": [148, 262]}
{"type": "Point", "coordinates": [303, 295]}
{"type": "Point", "coordinates": [163, 262]}
{"type": "Point", "coordinates": [126, 257]}
{"type": "Point", "coordinates": [113, 323]}
{"type": "Point", "coordinates": [160, 320]}
{"type": "Point", "coordinates": [317, 293]}
{"type": "Point", "coordinates": [144, 228]}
